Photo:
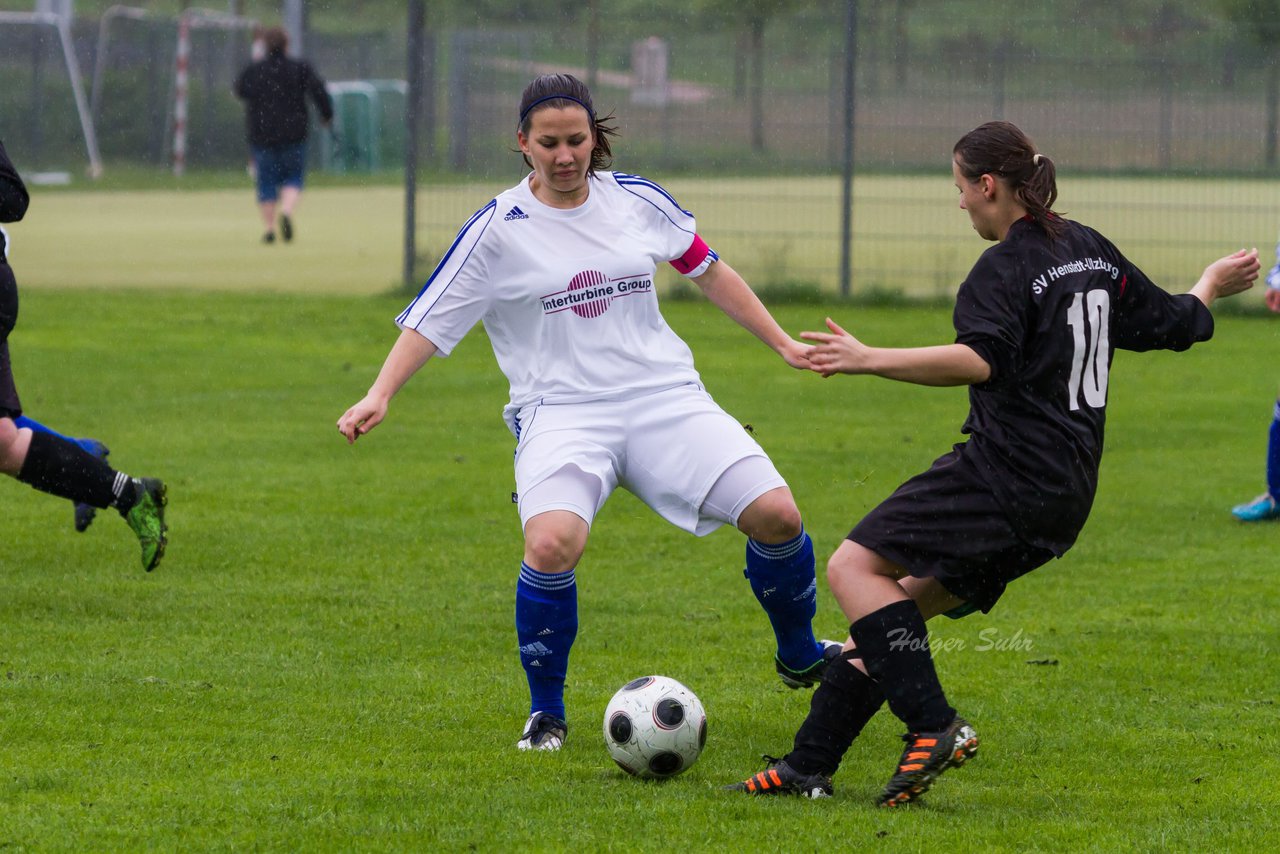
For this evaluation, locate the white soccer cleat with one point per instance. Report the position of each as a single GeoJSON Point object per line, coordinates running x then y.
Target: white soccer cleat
{"type": "Point", "coordinates": [543, 732]}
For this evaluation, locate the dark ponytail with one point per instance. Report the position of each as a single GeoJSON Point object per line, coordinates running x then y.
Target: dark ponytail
{"type": "Point", "coordinates": [1003, 150]}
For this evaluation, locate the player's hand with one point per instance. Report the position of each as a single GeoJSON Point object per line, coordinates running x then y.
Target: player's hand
{"type": "Point", "coordinates": [1273, 299]}
{"type": "Point", "coordinates": [1235, 273]}
{"type": "Point", "coordinates": [836, 352]}
{"type": "Point", "coordinates": [796, 354]}
{"type": "Point", "coordinates": [362, 418]}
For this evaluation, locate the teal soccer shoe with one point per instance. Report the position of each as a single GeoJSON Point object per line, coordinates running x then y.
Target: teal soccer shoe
{"type": "Point", "coordinates": [1259, 509]}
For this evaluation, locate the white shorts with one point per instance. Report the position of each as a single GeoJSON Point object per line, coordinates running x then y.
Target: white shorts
{"type": "Point", "coordinates": [667, 448]}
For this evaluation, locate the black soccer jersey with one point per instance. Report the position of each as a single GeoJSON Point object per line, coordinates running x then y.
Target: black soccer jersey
{"type": "Point", "coordinates": [1047, 315]}
{"type": "Point", "coordinates": [13, 195]}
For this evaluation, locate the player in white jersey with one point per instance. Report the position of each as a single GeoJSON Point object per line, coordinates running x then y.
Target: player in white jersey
{"type": "Point", "coordinates": [1266, 506]}
{"type": "Point", "coordinates": [560, 268]}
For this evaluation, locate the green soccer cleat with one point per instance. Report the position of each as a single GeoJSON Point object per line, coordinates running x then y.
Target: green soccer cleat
{"type": "Point", "coordinates": [812, 674]}
{"type": "Point", "coordinates": [146, 518]}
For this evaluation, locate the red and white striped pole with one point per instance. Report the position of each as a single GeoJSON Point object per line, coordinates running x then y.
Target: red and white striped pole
{"type": "Point", "coordinates": [180, 97]}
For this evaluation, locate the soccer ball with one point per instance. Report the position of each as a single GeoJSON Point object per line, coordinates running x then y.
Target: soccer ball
{"type": "Point", "coordinates": [654, 727]}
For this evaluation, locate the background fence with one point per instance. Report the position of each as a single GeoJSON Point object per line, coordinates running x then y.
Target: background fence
{"type": "Point", "coordinates": [747, 123]}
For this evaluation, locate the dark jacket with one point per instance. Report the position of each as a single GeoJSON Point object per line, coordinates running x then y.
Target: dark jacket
{"type": "Point", "coordinates": [275, 91]}
{"type": "Point", "coordinates": [13, 195]}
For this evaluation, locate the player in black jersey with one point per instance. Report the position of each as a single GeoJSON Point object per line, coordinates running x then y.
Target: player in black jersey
{"type": "Point", "coordinates": [1037, 321]}
{"type": "Point", "coordinates": [45, 460]}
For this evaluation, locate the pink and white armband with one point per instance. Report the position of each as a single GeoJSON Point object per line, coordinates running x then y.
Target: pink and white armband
{"type": "Point", "coordinates": [696, 259]}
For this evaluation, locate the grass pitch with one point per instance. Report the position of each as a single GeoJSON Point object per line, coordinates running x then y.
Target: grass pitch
{"type": "Point", "coordinates": [325, 660]}
{"type": "Point", "coordinates": [909, 234]}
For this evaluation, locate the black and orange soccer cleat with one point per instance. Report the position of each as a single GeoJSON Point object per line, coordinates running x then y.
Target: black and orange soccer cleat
{"type": "Point", "coordinates": [781, 779]}
{"type": "Point", "coordinates": [926, 756]}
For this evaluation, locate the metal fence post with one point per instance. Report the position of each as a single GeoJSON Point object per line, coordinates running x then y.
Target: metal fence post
{"type": "Point", "coordinates": [413, 74]}
{"type": "Point", "coordinates": [846, 175]}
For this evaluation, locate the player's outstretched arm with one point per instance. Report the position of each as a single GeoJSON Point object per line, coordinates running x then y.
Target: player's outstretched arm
{"type": "Point", "coordinates": [838, 352]}
{"type": "Point", "coordinates": [410, 352]}
{"type": "Point", "coordinates": [1227, 276]}
{"type": "Point", "coordinates": [725, 287]}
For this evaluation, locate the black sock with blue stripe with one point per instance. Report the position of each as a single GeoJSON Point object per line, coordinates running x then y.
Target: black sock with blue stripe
{"type": "Point", "coordinates": [62, 468]}
{"type": "Point", "coordinates": [782, 577]}
{"type": "Point", "coordinates": [546, 626]}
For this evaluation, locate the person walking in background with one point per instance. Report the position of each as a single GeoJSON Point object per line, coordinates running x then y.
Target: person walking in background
{"type": "Point", "coordinates": [275, 90]}
{"type": "Point", "coordinates": [45, 460]}
{"type": "Point", "coordinates": [1267, 505]}
{"type": "Point", "coordinates": [1037, 321]}
{"type": "Point", "coordinates": [561, 268]}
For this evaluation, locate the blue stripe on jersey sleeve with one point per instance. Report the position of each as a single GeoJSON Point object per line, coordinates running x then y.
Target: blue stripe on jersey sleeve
{"type": "Point", "coordinates": [489, 208]}
{"type": "Point", "coordinates": [626, 182]}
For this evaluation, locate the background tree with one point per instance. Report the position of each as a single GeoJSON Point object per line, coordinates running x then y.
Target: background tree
{"type": "Point", "coordinates": [752, 17]}
{"type": "Point", "coordinates": [1259, 21]}
{"type": "Point", "coordinates": [901, 40]}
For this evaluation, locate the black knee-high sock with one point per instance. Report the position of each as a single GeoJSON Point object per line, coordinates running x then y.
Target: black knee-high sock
{"type": "Point", "coordinates": [65, 469]}
{"type": "Point", "coordinates": [841, 706]}
{"type": "Point", "coordinates": [894, 646]}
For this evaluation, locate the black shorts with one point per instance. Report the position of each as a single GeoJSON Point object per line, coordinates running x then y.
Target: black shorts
{"type": "Point", "coordinates": [946, 524]}
{"type": "Point", "coordinates": [10, 406]}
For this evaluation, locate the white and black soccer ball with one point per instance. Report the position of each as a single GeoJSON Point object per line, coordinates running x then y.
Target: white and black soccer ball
{"type": "Point", "coordinates": [654, 727]}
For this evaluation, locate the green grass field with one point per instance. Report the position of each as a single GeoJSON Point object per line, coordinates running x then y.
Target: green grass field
{"type": "Point", "coordinates": [325, 661]}
{"type": "Point", "coordinates": [909, 233]}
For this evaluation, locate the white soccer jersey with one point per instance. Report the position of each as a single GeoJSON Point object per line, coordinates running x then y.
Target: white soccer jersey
{"type": "Point", "coordinates": [567, 296]}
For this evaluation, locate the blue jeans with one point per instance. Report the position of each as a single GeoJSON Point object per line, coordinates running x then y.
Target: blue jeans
{"type": "Point", "coordinates": [279, 166]}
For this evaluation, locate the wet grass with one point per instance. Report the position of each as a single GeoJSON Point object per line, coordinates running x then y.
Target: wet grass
{"type": "Point", "coordinates": [325, 660]}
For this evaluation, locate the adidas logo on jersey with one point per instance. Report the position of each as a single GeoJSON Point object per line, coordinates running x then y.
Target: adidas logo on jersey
{"type": "Point", "coordinates": [515, 213]}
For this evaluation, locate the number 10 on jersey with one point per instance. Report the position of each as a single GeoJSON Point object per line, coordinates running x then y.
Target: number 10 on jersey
{"type": "Point", "coordinates": [1088, 316]}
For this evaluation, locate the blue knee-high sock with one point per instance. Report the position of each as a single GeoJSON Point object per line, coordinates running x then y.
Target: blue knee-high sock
{"type": "Point", "coordinates": [1273, 456]}
{"type": "Point", "coordinates": [546, 625]}
{"type": "Point", "coordinates": [782, 578]}
{"type": "Point", "coordinates": [37, 427]}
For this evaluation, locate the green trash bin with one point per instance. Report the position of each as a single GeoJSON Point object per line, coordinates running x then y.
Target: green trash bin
{"type": "Point", "coordinates": [368, 126]}
{"type": "Point", "coordinates": [393, 97]}
{"type": "Point", "coordinates": [350, 145]}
